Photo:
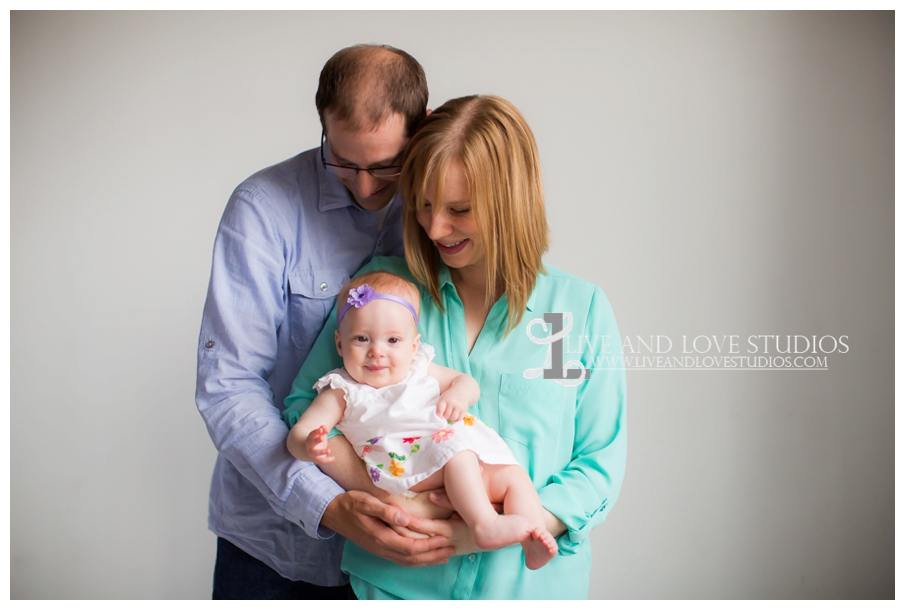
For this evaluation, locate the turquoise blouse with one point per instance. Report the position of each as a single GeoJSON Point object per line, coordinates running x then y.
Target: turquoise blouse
{"type": "Point", "coordinates": [571, 440]}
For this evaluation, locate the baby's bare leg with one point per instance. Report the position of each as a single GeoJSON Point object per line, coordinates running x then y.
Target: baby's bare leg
{"type": "Point", "coordinates": [513, 487]}
{"type": "Point", "coordinates": [466, 490]}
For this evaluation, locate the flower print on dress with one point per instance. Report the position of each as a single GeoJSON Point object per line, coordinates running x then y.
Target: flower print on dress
{"type": "Point", "coordinates": [441, 435]}
{"type": "Point", "coordinates": [469, 420]}
{"type": "Point", "coordinates": [365, 450]}
{"type": "Point", "coordinates": [410, 439]}
{"type": "Point", "coordinates": [374, 440]}
{"type": "Point", "coordinates": [395, 469]}
{"type": "Point", "coordinates": [374, 472]}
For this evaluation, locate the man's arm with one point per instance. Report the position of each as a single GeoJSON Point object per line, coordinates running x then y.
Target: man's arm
{"type": "Point", "coordinates": [238, 346]}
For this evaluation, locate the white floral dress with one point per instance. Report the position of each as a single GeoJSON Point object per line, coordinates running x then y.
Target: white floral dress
{"type": "Point", "coordinates": [397, 432]}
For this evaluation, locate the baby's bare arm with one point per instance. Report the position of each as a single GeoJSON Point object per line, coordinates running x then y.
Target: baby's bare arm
{"type": "Point", "coordinates": [308, 438]}
{"type": "Point", "coordinates": [458, 391]}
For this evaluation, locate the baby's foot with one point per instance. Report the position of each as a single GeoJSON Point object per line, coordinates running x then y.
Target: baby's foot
{"type": "Point", "coordinates": [540, 548]}
{"type": "Point", "coordinates": [502, 531]}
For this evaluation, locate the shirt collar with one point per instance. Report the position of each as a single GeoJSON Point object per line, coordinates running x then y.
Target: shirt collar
{"type": "Point", "coordinates": [445, 279]}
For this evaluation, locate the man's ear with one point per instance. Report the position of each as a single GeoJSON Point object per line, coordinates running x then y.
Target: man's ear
{"type": "Point", "coordinates": [339, 342]}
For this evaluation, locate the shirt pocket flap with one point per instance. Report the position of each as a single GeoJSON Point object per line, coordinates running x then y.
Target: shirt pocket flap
{"type": "Point", "coordinates": [530, 409]}
{"type": "Point", "coordinates": [318, 283]}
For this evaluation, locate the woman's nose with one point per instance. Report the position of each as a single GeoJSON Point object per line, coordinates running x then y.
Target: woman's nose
{"type": "Point", "coordinates": [438, 226]}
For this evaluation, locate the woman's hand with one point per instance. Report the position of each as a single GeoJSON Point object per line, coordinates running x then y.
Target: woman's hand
{"type": "Point", "coordinates": [454, 530]}
{"type": "Point", "coordinates": [551, 521]}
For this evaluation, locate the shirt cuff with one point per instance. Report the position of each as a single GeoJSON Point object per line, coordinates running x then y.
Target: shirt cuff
{"type": "Point", "coordinates": [557, 499]}
{"type": "Point", "coordinates": [311, 494]}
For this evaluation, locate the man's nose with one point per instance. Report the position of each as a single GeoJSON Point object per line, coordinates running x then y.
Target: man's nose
{"type": "Point", "coordinates": [366, 183]}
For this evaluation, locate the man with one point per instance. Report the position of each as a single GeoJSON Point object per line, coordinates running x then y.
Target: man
{"type": "Point", "coordinates": [290, 236]}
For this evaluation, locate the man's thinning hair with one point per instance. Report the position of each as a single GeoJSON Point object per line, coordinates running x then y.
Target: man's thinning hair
{"type": "Point", "coordinates": [365, 84]}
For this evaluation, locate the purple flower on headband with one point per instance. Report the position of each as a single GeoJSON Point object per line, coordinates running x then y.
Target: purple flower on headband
{"type": "Point", "coordinates": [361, 296]}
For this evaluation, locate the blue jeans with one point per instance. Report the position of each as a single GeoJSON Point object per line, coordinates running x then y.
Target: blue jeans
{"type": "Point", "coordinates": [238, 575]}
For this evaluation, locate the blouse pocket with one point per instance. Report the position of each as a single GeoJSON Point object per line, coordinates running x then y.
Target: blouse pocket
{"type": "Point", "coordinates": [530, 409]}
{"type": "Point", "coordinates": [311, 296]}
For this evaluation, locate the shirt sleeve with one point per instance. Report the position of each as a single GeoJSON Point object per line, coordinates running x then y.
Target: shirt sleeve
{"type": "Point", "coordinates": [582, 494]}
{"type": "Point", "coordinates": [246, 305]}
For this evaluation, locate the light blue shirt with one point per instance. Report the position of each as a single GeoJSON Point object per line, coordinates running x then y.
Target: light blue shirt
{"type": "Point", "coordinates": [290, 236]}
{"type": "Point", "coordinates": [570, 439]}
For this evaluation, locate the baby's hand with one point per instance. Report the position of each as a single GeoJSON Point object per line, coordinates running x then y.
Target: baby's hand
{"type": "Point", "coordinates": [451, 406]}
{"type": "Point", "coordinates": [316, 444]}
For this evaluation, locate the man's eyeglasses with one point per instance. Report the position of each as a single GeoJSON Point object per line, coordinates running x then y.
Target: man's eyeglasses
{"type": "Point", "coordinates": [350, 171]}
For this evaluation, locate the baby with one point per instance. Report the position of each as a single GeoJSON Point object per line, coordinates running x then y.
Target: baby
{"type": "Point", "coordinates": [408, 420]}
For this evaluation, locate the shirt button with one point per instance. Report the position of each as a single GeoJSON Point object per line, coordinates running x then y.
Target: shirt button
{"type": "Point", "coordinates": [472, 557]}
{"type": "Point", "coordinates": [209, 344]}
{"type": "Point", "coordinates": [323, 286]}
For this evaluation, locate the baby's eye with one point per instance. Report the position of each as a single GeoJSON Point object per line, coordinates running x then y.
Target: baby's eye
{"type": "Point", "coordinates": [394, 340]}
{"type": "Point", "coordinates": [361, 339]}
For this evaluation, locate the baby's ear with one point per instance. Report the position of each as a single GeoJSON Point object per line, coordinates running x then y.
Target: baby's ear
{"type": "Point", "coordinates": [415, 345]}
{"type": "Point", "coordinates": [339, 342]}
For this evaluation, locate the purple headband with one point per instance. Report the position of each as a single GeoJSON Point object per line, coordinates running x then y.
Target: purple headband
{"type": "Point", "coordinates": [364, 294]}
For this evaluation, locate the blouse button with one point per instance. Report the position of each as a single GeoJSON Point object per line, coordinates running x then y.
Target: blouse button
{"type": "Point", "coordinates": [472, 557]}
{"type": "Point", "coordinates": [209, 344]}
{"type": "Point", "coordinates": [323, 286]}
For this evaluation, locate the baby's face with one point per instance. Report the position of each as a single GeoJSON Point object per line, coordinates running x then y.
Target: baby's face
{"type": "Point", "coordinates": [377, 342]}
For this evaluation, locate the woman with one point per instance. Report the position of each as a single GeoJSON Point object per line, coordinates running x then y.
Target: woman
{"type": "Point", "coordinates": [475, 231]}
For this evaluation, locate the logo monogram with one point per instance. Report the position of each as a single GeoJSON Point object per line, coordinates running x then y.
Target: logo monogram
{"type": "Point", "coordinates": [571, 373]}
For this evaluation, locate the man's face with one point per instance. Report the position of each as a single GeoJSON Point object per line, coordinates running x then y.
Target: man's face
{"type": "Point", "coordinates": [378, 147]}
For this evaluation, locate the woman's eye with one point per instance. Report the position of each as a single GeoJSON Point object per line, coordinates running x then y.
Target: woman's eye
{"type": "Point", "coordinates": [460, 212]}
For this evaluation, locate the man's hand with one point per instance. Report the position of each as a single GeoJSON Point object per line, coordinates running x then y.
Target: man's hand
{"type": "Point", "coordinates": [364, 520]}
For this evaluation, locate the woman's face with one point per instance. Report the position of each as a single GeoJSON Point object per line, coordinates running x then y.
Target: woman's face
{"type": "Point", "coordinates": [450, 222]}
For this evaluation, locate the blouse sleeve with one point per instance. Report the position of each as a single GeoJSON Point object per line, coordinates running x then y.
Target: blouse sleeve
{"type": "Point", "coordinates": [582, 494]}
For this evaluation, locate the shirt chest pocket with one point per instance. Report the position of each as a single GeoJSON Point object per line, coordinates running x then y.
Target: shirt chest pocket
{"type": "Point", "coordinates": [530, 409]}
{"type": "Point", "coordinates": [311, 297]}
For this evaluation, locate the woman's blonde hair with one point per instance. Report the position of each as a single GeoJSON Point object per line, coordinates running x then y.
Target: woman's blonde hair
{"type": "Point", "coordinates": [494, 144]}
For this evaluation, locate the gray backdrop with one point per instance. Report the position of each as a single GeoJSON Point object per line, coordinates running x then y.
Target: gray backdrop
{"type": "Point", "coordinates": [715, 173]}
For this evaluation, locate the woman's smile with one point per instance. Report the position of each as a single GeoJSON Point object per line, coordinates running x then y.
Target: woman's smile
{"type": "Point", "coordinates": [453, 248]}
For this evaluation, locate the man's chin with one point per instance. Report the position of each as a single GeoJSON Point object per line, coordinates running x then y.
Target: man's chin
{"type": "Point", "coordinates": [373, 205]}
